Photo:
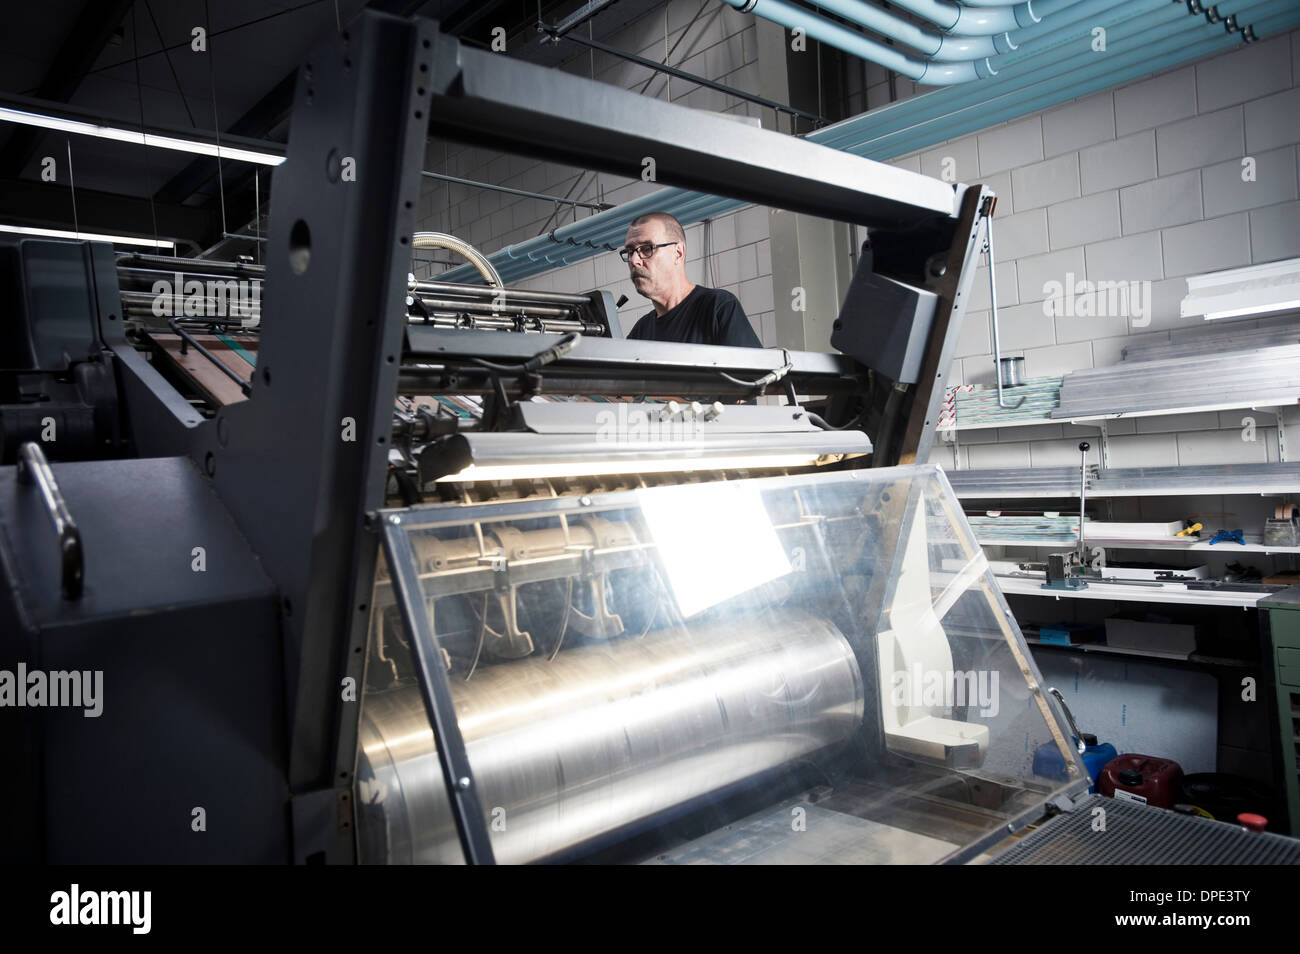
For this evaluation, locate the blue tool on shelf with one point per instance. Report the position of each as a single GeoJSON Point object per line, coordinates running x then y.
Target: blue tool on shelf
{"type": "Point", "coordinates": [1228, 536]}
{"type": "Point", "coordinates": [1050, 763]}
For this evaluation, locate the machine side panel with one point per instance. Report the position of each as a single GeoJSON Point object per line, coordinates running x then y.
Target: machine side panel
{"type": "Point", "coordinates": [174, 649]}
{"type": "Point", "coordinates": [317, 426]}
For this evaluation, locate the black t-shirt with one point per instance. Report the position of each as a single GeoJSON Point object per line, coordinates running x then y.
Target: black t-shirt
{"type": "Point", "coordinates": [705, 316]}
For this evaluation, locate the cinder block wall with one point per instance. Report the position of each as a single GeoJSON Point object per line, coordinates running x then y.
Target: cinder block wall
{"type": "Point", "coordinates": [1140, 183]}
{"type": "Point", "coordinates": [731, 252]}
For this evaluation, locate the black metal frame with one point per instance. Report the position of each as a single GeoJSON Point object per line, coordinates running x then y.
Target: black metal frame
{"type": "Point", "coordinates": [319, 418]}
{"type": "Point", "coordinates": [457, 773]}
{"type": "Point", "coordinates": [490, 100]}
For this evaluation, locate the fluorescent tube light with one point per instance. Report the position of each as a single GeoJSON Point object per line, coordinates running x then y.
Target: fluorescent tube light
{"type": "Point", "coordinates": [1254, 310]}
{"type": "Point", "coordinates": [77, 127]}
{"type": "Point", "coordinates": [573, 441]}
{"type": "Point", "coordinates": [628, 466]}
{"type": "Point", "coordinates": [1238, 292]}
{"type": "Point", "coordinates": [88, 236]}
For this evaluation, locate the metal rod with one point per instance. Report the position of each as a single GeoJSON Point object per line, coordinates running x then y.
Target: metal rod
{"type": "Point", "coordinates": [1083, 494]}
{"type": "Point", "coordinates": [225, 326]}
{"type": "Point", "coordinates": [127, 273]}
{"type": "Point", "coordinates": [175, 264]}
{"type": "Point", "coordinates": [698, 80]}
{"type": "Point", "coordinates": [576, 18]}
{"type": "Point", "coordinates": [436, 261]}
{"type": "Point", "coordinates": [1069, 717]}
{"type": "Point", "coordinates": [598, 206]}
{"type": "Point", "coordinates": [485, 308]}
{"type": "Point", "coordinates": [993, 311]}
{"type": "Point", "coordinates": [142, 299]}
{"type": "Point", "coordinates": [34, 468]}
{"type": "Point", "coordinates": [509, 294]}
{"type": "Point", "coordinates": [505, 322]}
{"type": "Point", "coordinates": [191, 340]}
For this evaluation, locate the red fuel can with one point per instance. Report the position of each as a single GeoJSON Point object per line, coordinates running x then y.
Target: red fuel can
{"type": "Point", "coordinates": [1141, 778]}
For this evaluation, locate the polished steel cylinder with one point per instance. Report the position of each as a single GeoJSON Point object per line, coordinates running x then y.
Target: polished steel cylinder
{"type": "Point", "coordinates": [606, 736]}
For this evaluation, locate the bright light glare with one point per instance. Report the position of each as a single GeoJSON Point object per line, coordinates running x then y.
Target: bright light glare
{"type": "Point", "coordinates": [715, 541]}
{"type": "Point", "coordinates": [600, 467]}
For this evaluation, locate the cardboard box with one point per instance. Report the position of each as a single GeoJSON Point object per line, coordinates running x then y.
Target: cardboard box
{"type": "Point", "coordinates": [1150, 633]}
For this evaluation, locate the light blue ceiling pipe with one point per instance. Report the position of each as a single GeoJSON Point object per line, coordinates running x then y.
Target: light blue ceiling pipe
{"type": "Point", "coordinates": [1069, 78]}
{"type": "Point", "coordinates": [928, 72]}
{"type": "Point", "coordinates": [1065, 21]}
{"type": "Point", "coordinates": [1012, 104]}
{"type": "Point", "coordinates": [1277, 22]}
{"type": "Point", "coordinates": [975, 21]}
{"type": "Point", "coordinates": [915, 123]}
{"type": "Point", "coordinates": [573, 238]}
{"type": "Point", "coordinates": [935, 46]}
{"type": "Point", "coordinates": [1128, 35]}
{"type": "Point", "coordinates": [1015, 73]}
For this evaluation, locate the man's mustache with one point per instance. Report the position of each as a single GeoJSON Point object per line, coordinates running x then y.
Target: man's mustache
{"type": "Point", "coordinates": [637, 273]}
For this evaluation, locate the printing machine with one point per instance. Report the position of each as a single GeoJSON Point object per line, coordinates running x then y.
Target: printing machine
{"type": "Point", "coordinates": [453, 573]}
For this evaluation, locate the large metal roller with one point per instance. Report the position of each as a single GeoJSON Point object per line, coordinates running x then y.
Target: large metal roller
{"type": "Point", "coordinates": [605, 736]}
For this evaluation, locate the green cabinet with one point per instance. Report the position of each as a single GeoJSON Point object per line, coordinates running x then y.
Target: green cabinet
{"type": "Point", "coordinates": [1284, 632]}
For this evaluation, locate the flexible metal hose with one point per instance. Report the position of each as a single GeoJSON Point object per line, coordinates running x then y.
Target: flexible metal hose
{"type": "Point", "coordinates": [452, 244]}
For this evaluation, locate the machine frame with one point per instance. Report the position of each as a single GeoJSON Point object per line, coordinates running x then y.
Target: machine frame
{"type": "Point", "coordinates": [318, 422]}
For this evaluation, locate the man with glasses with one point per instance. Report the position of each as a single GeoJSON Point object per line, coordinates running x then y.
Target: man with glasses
{"type": "Point", "coordinates": [655, 253]}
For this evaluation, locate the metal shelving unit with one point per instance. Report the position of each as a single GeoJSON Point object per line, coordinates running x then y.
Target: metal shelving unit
{"type": "Point", "coordinates": [1046, 482]}
{"type": "Point", "coordinates": [1254, 544]}
{"type": "Point", "coordinates": [1271, 404]}
{"type": "Point", "coordinates": [1119, 592]}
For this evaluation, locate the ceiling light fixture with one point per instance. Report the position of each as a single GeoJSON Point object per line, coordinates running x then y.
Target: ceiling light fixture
{"type": "Point", "coordinates": [155, 140]}
{"type": "Point", "coordinates": [88, 236]}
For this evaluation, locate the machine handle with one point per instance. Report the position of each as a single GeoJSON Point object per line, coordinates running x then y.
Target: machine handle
{"type": "Point", "coordinates": [33, 467]}
{"type": "Point", "coordinates": [1069, 717]}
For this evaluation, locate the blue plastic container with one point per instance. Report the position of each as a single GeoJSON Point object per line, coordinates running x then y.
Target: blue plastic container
{"type": "Point", "coordinates": [1049, 763]}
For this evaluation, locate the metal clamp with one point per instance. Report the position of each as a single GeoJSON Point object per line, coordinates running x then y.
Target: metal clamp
{"type": "Point", "coordinates": [33, 467]}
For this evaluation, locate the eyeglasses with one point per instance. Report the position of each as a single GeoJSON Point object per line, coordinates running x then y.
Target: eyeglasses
{"type": "Point", "coordinates": [646, 252]}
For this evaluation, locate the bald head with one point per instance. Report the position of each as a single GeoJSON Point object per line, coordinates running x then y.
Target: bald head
{"type": "Point", "coordinates": [668, 226]}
